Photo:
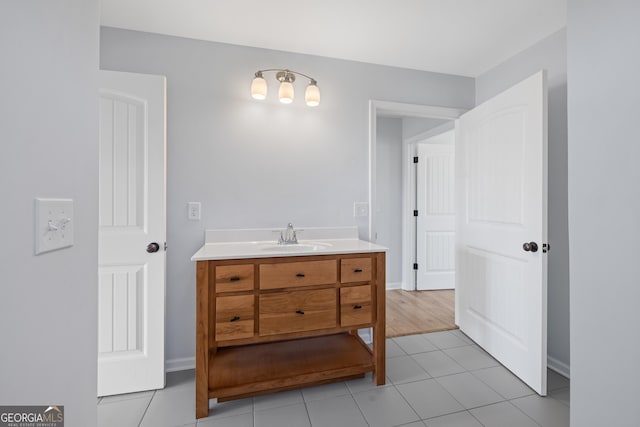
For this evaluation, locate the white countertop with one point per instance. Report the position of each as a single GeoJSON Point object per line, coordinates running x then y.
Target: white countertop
{"type": "Point", "coordinates": [262, 243]}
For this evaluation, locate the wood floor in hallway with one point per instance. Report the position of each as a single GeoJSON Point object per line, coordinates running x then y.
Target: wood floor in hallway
{"type": "Point", "coordinates": [419, 312]}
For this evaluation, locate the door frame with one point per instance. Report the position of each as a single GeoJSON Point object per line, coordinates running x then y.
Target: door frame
{"type": "Point", "coordinates": [399, 109]}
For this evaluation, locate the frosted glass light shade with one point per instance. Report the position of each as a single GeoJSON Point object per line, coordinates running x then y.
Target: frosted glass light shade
{"type": "Point", "coordinates": [259, 88]}
{"type": "Point", "coordinates": [285, 93]}
{"type": "Point", "coordinates": [312, 95]}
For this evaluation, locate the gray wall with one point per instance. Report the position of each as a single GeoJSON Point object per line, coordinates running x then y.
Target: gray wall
{"type": "Point", "coordinates": [389, 193]}
{"type": "Point", "coordinates": [604, 211]}
{"type": "Point", "coordinates": [549, 54]}
{"type": "Point", "coordinates": [49, 134]}
{"type": "Point", "coordinates": [412, 126]}
{"type": "Point", "coordinates": [260, 164]}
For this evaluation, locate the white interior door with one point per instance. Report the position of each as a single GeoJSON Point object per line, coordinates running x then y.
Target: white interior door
{"type": "Point", "coordinates": [435, 195]}
{"type": "Point", "coordinates": [131, 296]}
{"type": "Point", "coordinates": [501, 176]}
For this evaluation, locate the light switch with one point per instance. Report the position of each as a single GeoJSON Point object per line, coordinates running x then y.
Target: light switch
{"type": "Point", "coordinates": [360, 209]}
{"type": "Point", "coordinates": [54, 224]}
{"type": "Point", "coordinates": [193, 211]}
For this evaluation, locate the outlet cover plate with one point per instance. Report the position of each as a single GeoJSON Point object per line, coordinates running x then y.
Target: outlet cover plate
{"type": "Point", "coordinates": [54, 224]}
{"type": "Point", "coordinates": [360, 209]}
{"type": "Point", "coordinates": [193, 212]}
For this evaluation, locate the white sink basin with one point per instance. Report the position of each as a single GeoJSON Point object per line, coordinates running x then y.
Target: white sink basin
{"type": "Point", "coordinates": [297, 247]}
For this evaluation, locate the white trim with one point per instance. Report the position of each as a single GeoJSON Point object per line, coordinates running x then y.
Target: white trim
{"type": "Point", "coordinates": [394, 285]}
{"type": "Point", "coordinates": [180, 364]}
{"type": "Point", "coordinates": [558, 366]}
{"type": "Point", "coordinates": [373, 125]}
{"type": "Point", "coordinates": [401, 109]}
{"type": "Point", "coordinates": [445, 127]}
{"type": "Point", "coordinates": [408, 220]}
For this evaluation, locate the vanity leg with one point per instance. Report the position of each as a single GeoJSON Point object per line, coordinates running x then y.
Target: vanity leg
{"type": "Point", "coordinates": [379, 330]}
{"type": "Point", "coordinates": [202, 399]}
{"type": "Point", "coordinates": [202, 339]}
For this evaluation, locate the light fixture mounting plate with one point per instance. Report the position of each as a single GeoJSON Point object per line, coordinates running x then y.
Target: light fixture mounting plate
{"type": "Point", "coordinates": [285, 76]}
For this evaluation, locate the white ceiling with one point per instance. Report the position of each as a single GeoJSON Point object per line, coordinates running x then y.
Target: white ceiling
{"type": "Point", "coordinates": [464, 37]}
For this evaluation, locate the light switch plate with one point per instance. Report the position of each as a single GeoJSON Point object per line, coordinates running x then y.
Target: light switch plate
{"type": "Point", "coordinates": [193, 212]}
{"type": "Point", "coordinates": [360, 209]}
{"type": "Point", "coordinates": [54, 224]}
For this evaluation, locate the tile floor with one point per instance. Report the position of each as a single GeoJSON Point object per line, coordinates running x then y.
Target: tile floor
{"type": "Point", "coordinates": [440, 379]}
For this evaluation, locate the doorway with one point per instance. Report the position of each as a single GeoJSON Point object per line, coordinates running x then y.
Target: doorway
{"type": "Point", "coordinates": [396, 131]}
{"type": "Point", "coordinates": [501, 202]}
{"type": "Point", "coordinates": [399, 130]}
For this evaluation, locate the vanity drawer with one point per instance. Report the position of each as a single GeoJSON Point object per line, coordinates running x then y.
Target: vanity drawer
{"type": "Point", "coordinates": [355, 270]}
{"type": "Point", "coordinates": [234, 317]}
{"type": "Point", "coordinates": [234, 278]}
{"type": "Point", "coordinates": [355, 305]}
{"type": "Point", "coordinates": [296, 311]}
{"type": "Point", "coordinates": [294, 274]}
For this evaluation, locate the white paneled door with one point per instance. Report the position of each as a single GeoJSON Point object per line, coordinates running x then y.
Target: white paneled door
{"type": "Point", "coordinates": [436, 215]}
{"type": "Point", "coordinates": [501, 277]}
{"type": "Point", "coordinates": [131, 256]}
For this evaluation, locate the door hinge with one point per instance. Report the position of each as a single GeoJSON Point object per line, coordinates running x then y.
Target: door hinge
{"type": "Point", "coordinates": [415, 212]}
{"type": "Point", "coordinates": [415, 265]}
{"type": "Point", "coordinates": [546, 248]}
{"type": "Point", "coordinates": [415, 159]}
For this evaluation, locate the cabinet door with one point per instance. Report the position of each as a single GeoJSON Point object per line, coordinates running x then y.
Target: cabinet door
{"type": "Point", "coordinates": [355, 305]}
{"type": "Point", "coordinates": [296, 311]}
{"type": "Point", "coordinates": [355, 270]}
{"type": "Point", "coordinates": [234, 317]}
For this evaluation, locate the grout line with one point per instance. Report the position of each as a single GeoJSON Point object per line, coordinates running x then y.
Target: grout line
{"type": "Point", "coordinates": [144, 414]}
{"type": "Point", "coordinates": [527, 415]}
{"type": "Point", "coordinates": [450, 413]}
{"type": "Point", "coordinates": [307, 410]}
{"type": "Point", "coordinates": [407, 402]}
{"type": "Point", "coordinates": [475, 418]}
{"type": "Point", "coordinates": [358, 406]}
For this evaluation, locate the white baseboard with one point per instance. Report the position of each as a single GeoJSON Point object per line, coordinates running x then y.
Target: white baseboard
{"type": "Point", "coordinates": [180, 364]}
{"type": "Point", "coordinates": [394, 285]}
{"type": "Point", "coordinates": [558, 366]}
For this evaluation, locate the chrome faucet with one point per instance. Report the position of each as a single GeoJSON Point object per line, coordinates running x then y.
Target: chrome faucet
{"type": "Point", "coordinates": [289, 237]}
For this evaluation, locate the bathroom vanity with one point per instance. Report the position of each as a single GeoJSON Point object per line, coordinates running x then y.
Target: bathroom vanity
{"type": "Point", "coordinates": [274, 317]}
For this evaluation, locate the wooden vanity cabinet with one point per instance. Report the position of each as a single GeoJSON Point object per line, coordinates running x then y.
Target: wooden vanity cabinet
{"type": "Point", "coordinates": [271, 324]}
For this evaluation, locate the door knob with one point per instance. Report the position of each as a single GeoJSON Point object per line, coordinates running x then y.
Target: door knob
{"type": "Point", "coordinates": [530, 247]}
{"type": "Point", "coordinates": [153, 247]}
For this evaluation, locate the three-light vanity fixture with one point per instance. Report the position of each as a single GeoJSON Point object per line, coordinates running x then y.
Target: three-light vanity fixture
{"type": "Point", "coordinates": [285, 92]}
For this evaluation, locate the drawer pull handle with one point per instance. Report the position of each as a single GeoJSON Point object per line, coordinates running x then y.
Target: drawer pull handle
{"type": "Point", "coordinates": [234, 279]}
{"type": "Point", "coordinates": [299, 312]}
{"type": "Point", "coordinates": [300, 275]}
{"type": "Point", "coordinates": [234, 318]}
{"type": "Point", "coordinates": [357, 270]}
{"type": "Point", "coordinates": [357, 307]}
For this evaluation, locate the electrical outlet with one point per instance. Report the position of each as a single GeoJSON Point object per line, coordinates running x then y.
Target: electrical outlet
{"type": "Point", "coordinates": [360, 209]}
{"type": "Point", "coordinates": [54, 224]}
{"type": "Point", "coordinates": [193, 212]}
